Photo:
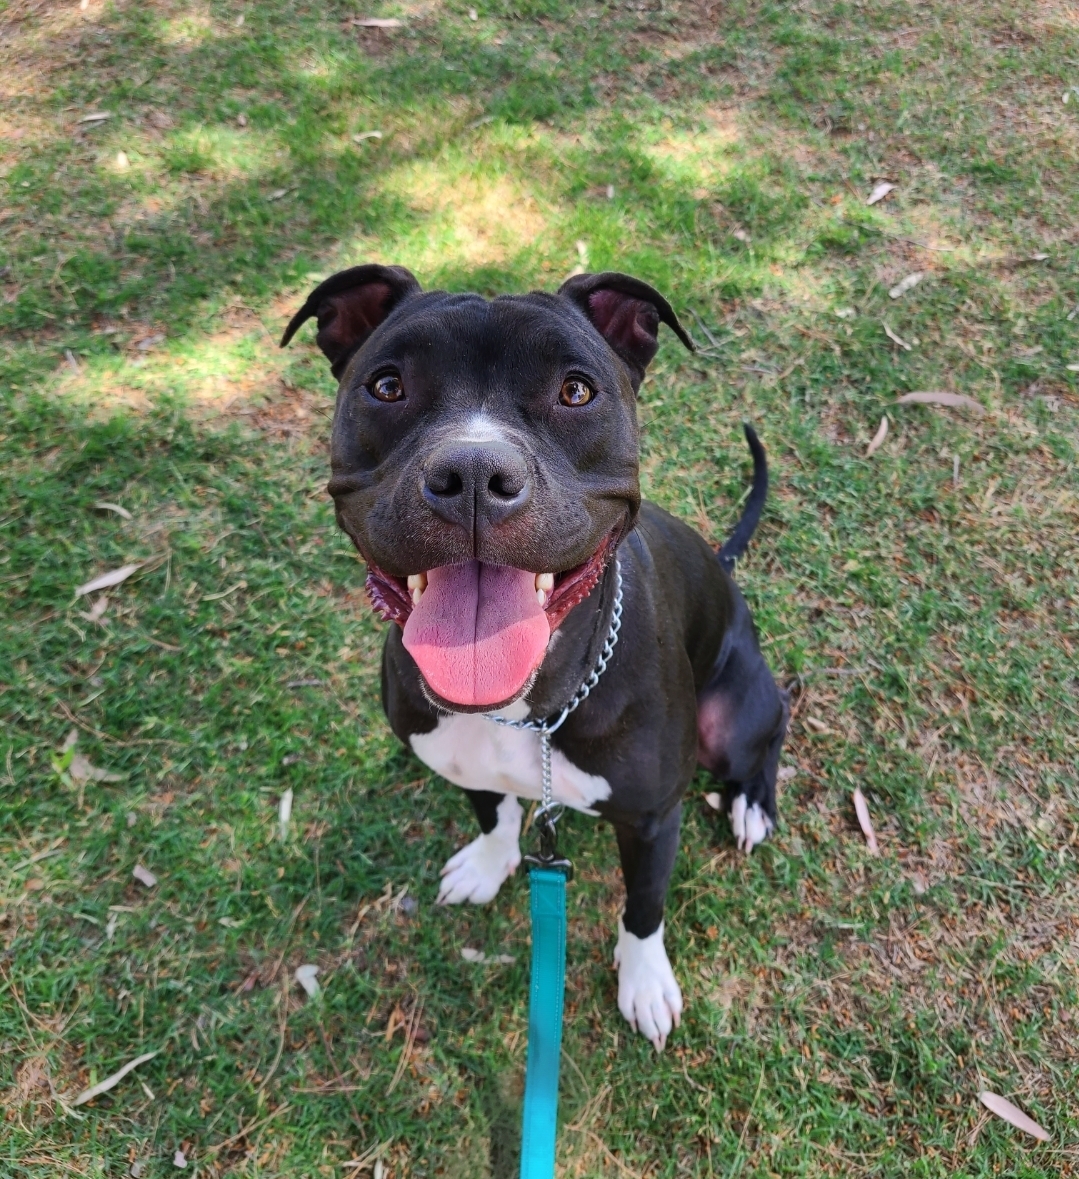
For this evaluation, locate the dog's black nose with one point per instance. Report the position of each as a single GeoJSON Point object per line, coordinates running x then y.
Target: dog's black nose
{"type": "Point", "coordinates": [476, 483]}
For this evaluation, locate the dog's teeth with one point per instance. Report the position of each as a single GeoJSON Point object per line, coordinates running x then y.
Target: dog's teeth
{"type": "Point", "coordinates": [541, 597]}
{"type": "Point", "coordinates": [545, 582]}
{"type": "Point", "coordinates": [417, 583]}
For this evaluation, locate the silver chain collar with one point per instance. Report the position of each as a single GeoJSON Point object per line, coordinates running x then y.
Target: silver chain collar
{"type": "Point", "coordinates": [550, 725]}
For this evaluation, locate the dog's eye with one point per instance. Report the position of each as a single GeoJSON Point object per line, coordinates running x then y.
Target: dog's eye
{"type": "Point", "coordinates": [388, 388]}
{"type": "Point", "coordinates": [575, 392]}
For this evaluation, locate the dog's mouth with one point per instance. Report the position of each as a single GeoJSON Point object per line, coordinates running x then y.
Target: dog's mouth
{"type": "Point", "coordinates": [478, 632]}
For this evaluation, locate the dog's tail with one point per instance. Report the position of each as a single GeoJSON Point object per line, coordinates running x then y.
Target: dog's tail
{"type": "Point", "coordinates": [738, 541]}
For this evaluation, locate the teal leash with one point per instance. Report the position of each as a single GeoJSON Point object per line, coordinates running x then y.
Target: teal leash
{"type": "Point", "coordinates": [545, 997]}
{"type": "Point", "coordinates": [548, 876]}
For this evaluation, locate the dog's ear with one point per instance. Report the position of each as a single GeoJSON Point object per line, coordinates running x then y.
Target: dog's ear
{"type": "Point", "coordinates": [349, 306]}
{"type": "Point", "coordinates": [627, 313]}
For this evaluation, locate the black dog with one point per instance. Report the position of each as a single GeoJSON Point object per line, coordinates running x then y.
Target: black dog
{"type": "Point", "coordinates": [485, 465]}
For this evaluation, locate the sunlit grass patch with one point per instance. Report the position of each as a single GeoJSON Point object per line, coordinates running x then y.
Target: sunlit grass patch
{"type": "Point", "coordinates": [469, 215]}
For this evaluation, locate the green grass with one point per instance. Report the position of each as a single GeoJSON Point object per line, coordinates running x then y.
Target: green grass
{"type": "Point", "coordinates": [842, 1011]}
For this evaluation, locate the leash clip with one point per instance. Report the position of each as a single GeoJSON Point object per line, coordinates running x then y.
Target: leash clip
{"type": "Point", "coordinates": [547, 857]}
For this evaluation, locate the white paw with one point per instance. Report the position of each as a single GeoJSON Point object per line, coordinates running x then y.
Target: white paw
{"type": "Point", "coordinates": [648, 995]}
{"type": "Point", "coordinates": [477, 871]}
{"type": "Point", "coordinates": [749, 824]}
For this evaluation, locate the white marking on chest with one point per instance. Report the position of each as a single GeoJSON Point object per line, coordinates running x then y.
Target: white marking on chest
{"type": "Point", "coordinates": [474, 752]}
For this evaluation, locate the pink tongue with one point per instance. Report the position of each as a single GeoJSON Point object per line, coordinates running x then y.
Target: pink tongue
{"type": "Point", "coordinates": [478, 632]}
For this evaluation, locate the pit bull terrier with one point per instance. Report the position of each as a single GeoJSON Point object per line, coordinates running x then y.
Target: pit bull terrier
{"type": "Point", "coordinates": [485, 465]}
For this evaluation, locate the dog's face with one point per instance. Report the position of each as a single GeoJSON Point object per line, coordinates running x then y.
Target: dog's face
{"type": "Point", "coordinates": [485, 459]}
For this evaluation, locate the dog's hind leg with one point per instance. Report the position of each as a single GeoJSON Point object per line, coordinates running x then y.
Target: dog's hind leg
{"type": "Point", "coordinates": [741, 722]}
{"type": "Point", "coordinates": [648, 995]}
{"type": "Point", "coordinates": [477, 871]}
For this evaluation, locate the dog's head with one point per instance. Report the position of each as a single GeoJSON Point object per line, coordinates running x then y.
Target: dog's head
{"type": "Point", "coordinates": [485, 458]}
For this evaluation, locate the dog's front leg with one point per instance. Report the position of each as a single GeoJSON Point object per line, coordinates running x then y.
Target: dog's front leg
{"type": "Point", "coordinates": [648, 995]}
{"type": "Point", "coordinates": [477, 871]}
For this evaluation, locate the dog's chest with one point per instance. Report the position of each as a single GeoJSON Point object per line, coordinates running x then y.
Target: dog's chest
{"type": "Point", "coordinates": [474, 752]}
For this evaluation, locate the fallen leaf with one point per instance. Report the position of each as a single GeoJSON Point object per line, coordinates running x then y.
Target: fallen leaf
{"type": "Point", "coordinates": [71, 359]}
{"type": "Point", "coordinates": [96, 611]}
{"type": "Point", "coordinates": [878, 437]}
{"type": "Point", "coordinates": [360, 1164]}
{"type": "Point", "coordinates": [70, 741]}
{"type": "Point", "coordinates": [81, 770]}
{"type": "Point", "coordinates": [1072, 368]}
{"type": "Point", "coordinates": [954, 400]}
{"type": "Point", "coordinates": [1013, 1114]}
{"type": "Point", "coordinates": [144, 876]}
{"type": "Point", "coordinates": [230, 923]}
{"type": "Point", "coordinates": [284, 814]}
{"type": "Point", "coordinates": [906, 284]}
{"type": "Point", "coordinates": [845, 313]}
{"type": "Point", "coordinates": [305, 976]}
{"type": "Point", "coordinates": [895, 339]}
{"type": "Point", "coordinates": [396, 1020]}
{"type": "Point", "coordinates": [473, 14]}
{"type": "Point", "coordinates": [366, 135]}
{"type": "Point", "coordinates": [113, 577]}
{"type": "Point", "coordinates": [148, 342]}
{"type": "Point", "coordinates": [278, 193]}
{"type": "Point", "coordinates": [179, 1159]}
{"type": "Point", "coordinates": [379, 22]}
{"type": "Point", "coordinates": [137, 1167]}
{"type": "Point", "coordinates": [879, 192]}
{"type": "Point", "coordinates": [713, 800]}
{"type": "Point", "coordinates": [96, 117]}
{"type": "Point", "coordinates": [861, 809]}
{"type": "Point", "coordinates": [106, 506]}
{"type": "Point", "coordinates": [471, 955]}
{"type": "Point", "coordinates": [786, 773]}
{"type": "Point", "coordinates": [111, 1082]}
{"type": "Point", "coordinates": [122, 161]}
{"type": "Point", "coordinates": [308, 683]}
